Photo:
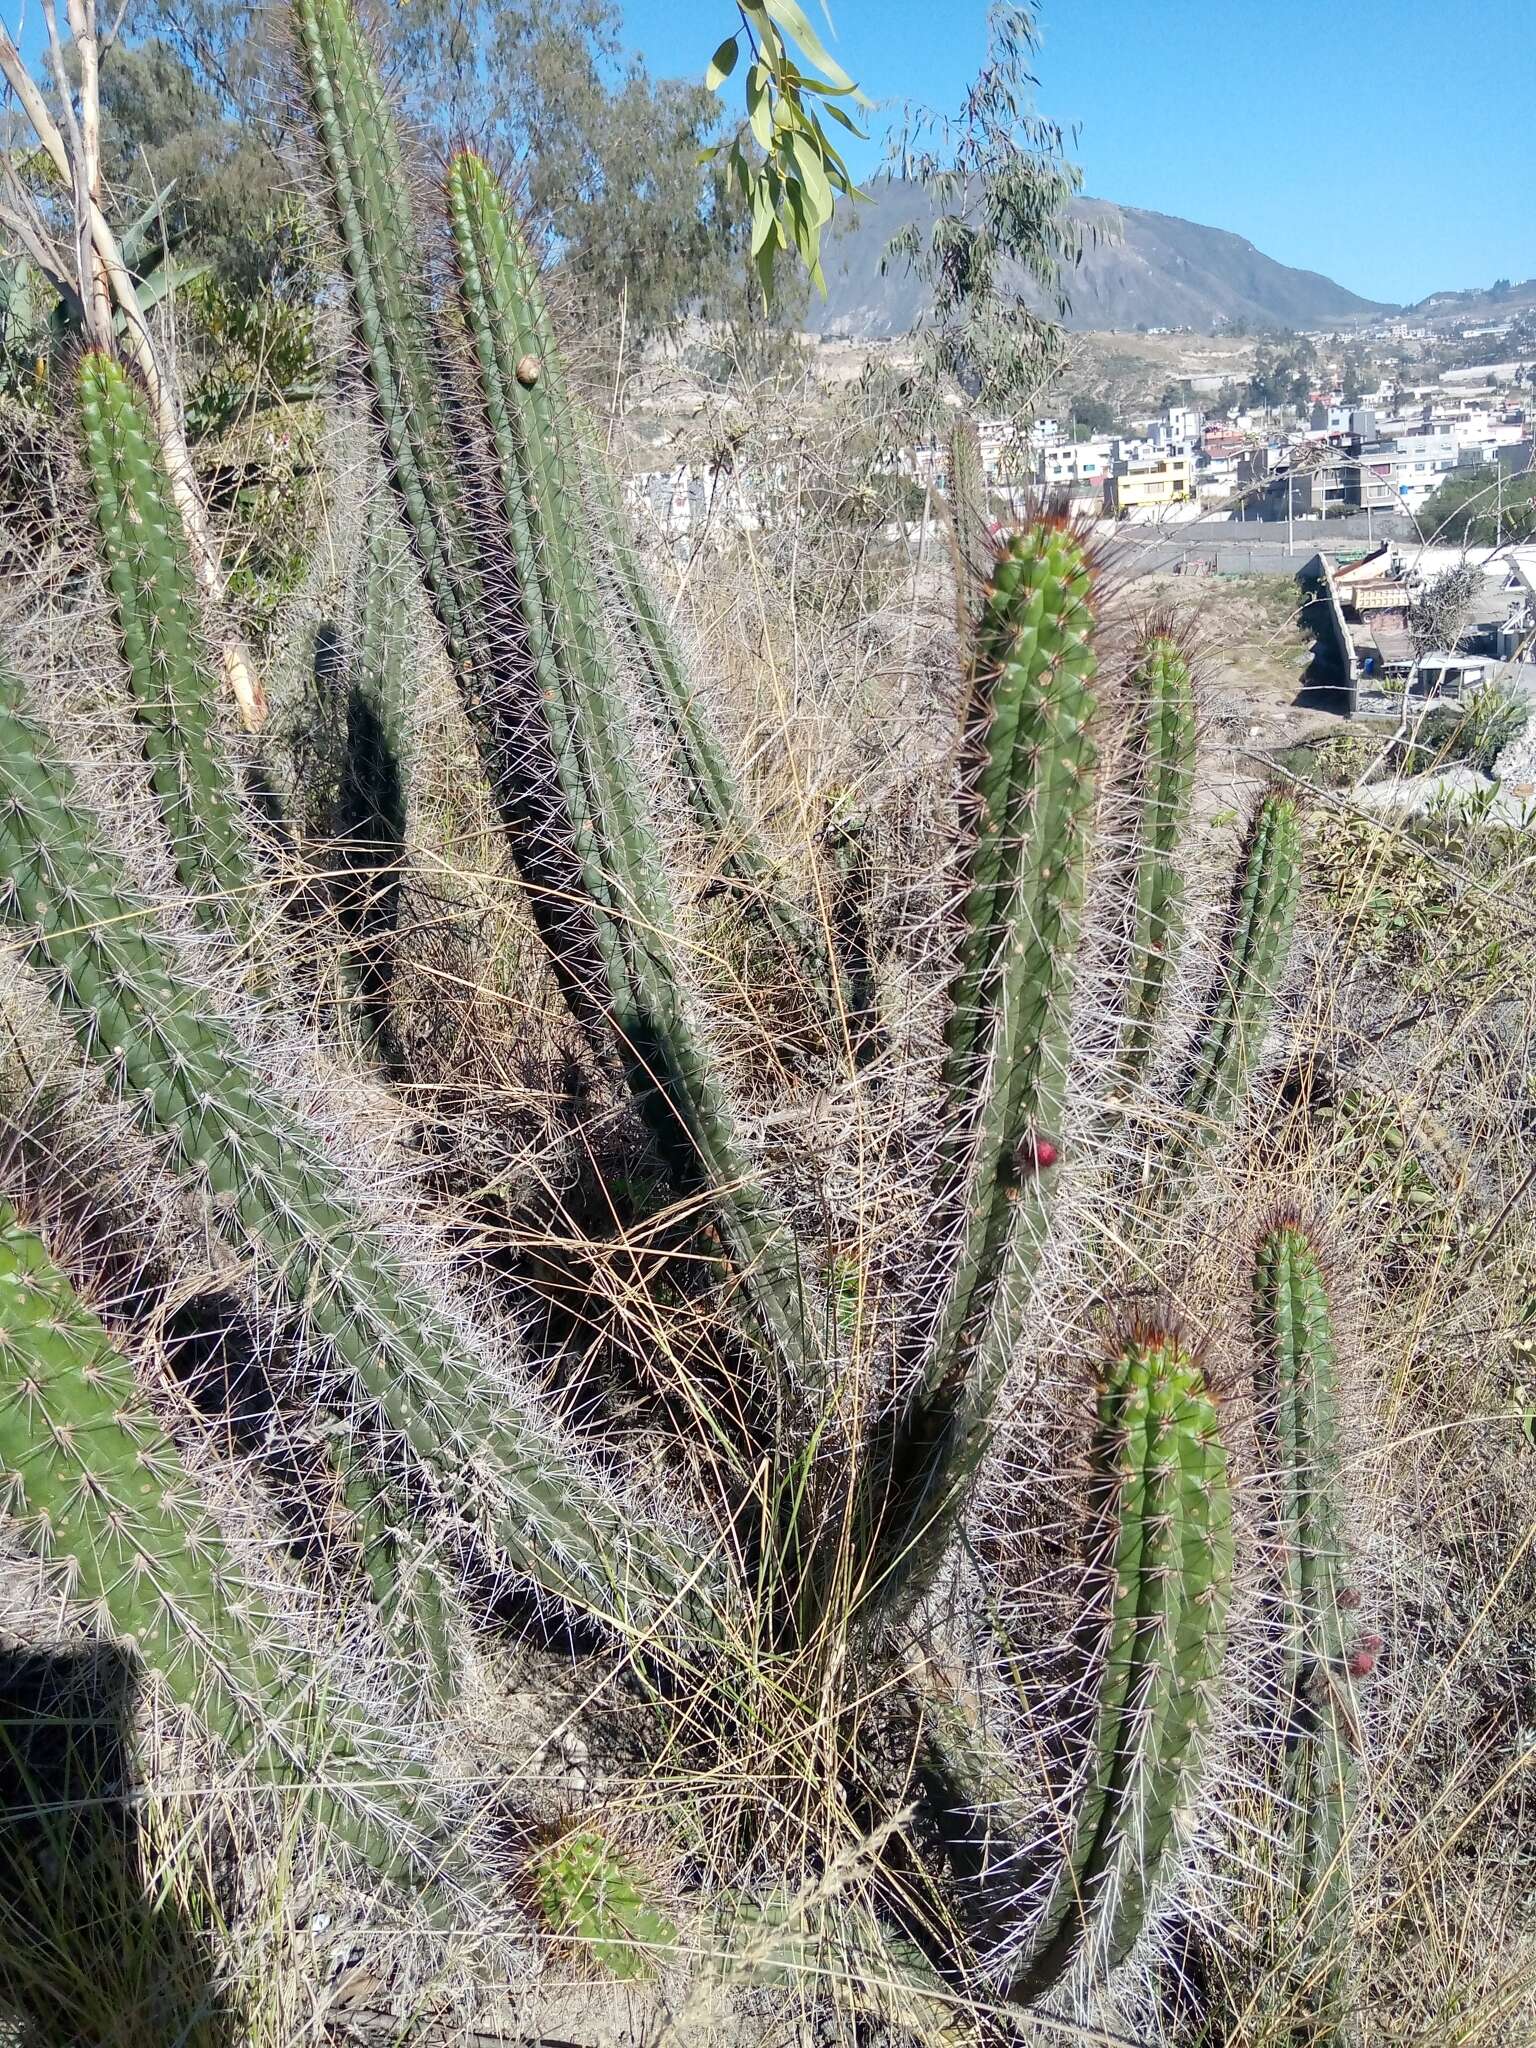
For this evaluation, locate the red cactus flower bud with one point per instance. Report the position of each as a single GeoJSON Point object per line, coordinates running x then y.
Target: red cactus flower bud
{"type": "Point", "coordinates": [1349, 1597]}
{"type": "Point", "coordinates": [1361, 1663]}
{"type": "Point", "coordinates": [1034, 1155]}
{"type": "Point", "coordinates": [1371, 1643]}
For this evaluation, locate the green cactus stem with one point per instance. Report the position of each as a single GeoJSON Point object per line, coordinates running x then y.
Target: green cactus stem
{"type": "Point", "coordinates": [90, 1483]}
{"type": "Point", "coordinates": [391, 1360]}
{"type": "Point", "coordinates": [1160, 787]}
{"type": "Point", "coordinates": [970, 529]}
{"type": "Point", "coordinates": [1299, 1427]}
{"type": "Point", "coordinates": [538, 466]}
{"type": "Point", "coordinates": [498, 647]}
{"type": "Point", "coordinates": [154, 594]}
{"type": "Point", "coordinates": [388, 273]}
{"type": "Point", "coordinates": [533, 667]}
{"type": "Point", "coordinates": [1027, 810]}
{"type": "Point", "coordinates": [1253, 955]}
{"type": "Point", "coordinates": [588, 1894]}
{"type": "Point", "coordinates": [1164, 1497]}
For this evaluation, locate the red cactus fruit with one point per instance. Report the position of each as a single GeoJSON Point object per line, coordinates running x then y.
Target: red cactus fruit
{"type": "Point", "coordinates": [1034, 1155]}
{"type": "Point", "coordinates": [1349, 1597]}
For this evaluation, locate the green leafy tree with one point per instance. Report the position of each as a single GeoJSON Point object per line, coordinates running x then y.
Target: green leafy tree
{"type": "Point", "coordinates": [1479, 508]}
{"type": "Point", "coordinates": [1092, 415]}
{"type": "Point", "coordinates": [171, 142]}
{"type": "Point", "coordinates": [998, 240]}
{"type": "Point", "coordinates": [784, 161]}
{"type": "Point", "coordinates": [608, 155]}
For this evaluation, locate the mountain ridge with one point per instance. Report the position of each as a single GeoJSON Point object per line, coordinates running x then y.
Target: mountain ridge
{"type": "Point", "coordinates": [1139, 268]}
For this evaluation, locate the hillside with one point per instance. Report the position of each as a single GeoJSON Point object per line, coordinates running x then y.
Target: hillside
{"type": "Point", "coordinates": [1138, 269]}
{"type": "Point", "coordinates": [1453, 309]}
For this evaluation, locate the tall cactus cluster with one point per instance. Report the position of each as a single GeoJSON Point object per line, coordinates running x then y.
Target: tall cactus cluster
{"type": "Point", "coordinates": [843, 1471]}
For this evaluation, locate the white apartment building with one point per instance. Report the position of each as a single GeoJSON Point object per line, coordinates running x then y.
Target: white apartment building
{"type": "Point", "coordinates": [1074, 462]}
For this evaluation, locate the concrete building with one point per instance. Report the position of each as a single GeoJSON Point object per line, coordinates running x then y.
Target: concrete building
{"type": "Point", "coordinates": [1073, 462]}
{"type": "Point", "coordinates": [1149, 485]}
{"type": "Point", "coordinates": [1367, 605]}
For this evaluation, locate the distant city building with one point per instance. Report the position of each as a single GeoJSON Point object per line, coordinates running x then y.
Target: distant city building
{"type": "Point", "coordinates": [1151, 483]}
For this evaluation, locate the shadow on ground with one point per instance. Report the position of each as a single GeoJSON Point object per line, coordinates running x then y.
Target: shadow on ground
{"type": "Point", "coordinates": [88, 1958]}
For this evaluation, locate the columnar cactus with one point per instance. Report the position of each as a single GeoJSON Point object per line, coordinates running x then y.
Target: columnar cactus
{"type": "Point", "coordinates": [970, 531]}
{"type": "Point", "coordinates": [387, 270]}
{"type": "Point", "coordinates": [1299, 1413]}
{"type": "Point", "coordinates": [94, 1488]}
{"type": "Point", "coordinates": [1161, 1473]}
{"type": "Point", "coordinates": [1027, 810]}
{"type": "Point", "coordinates": [1161, 748]}
{"type": "Point", "coordinates": [1254, 947]}
{"type": "Point", "coordinates": [393, 1360]}
{"type": "Point", "coordinates": [538, 473]}
{"type": "Point", "coordinates": [154, 594]}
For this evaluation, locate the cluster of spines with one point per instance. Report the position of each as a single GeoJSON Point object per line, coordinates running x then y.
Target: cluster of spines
{"type": "Point", "coordinates": [1299, 1412]}
{"type": "Point", "coordinates": [96, 1490]}
{"type": "Point", "coordinates": [154, 595]}
{"type": "Point", "coordinates": [1161, 1474]}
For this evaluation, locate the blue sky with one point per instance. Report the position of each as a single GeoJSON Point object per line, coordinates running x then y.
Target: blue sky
{"type": "Point", "coordinates": [1391, 146]}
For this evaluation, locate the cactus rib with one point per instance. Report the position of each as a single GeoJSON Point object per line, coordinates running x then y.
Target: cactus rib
{"type": "Point", "coordinates": [153, 589]}
{"type": "Point", "coordinates": [1162, 748]}
{"type": "Point", "coordinates": [1161, 1474]}
{"type": "Point", "coordinates": [394, 1357]}
{"type": "Point", "coordinates": [1253, 957]}
{"type": "Point", "coordinates": [1029, 800]}
{"type": "Point", "coordinates": [91, 1483]}
{"type": "Point", "coordinates": [1293, 1328]}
